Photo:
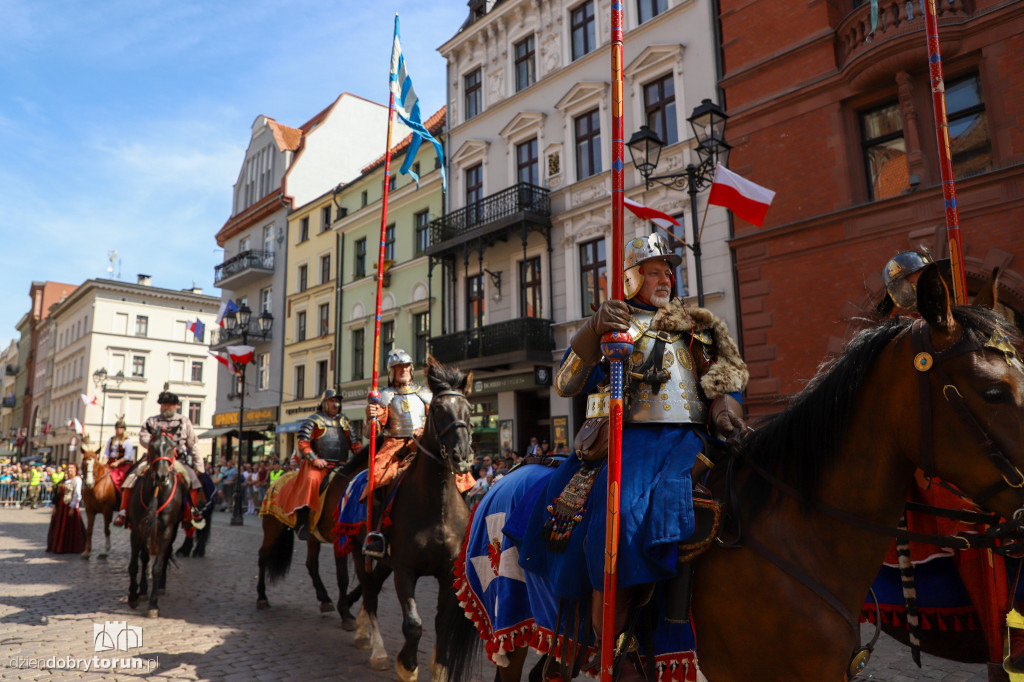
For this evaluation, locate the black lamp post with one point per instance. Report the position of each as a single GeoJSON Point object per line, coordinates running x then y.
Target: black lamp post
{"type": "Point", "coordinates": [99, 378]}
{"type": "Point", "coordinates": [708, 123]}
{"type": "Point", "coordinates": [239, 323]}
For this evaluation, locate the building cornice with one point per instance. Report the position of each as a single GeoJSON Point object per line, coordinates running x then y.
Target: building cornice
{"type": "Point", "coordinates": [261, 210]}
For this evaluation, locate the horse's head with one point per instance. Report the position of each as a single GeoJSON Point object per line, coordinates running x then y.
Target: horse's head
{"type": "Point", "coordinates": [90, 461]}
{"type": "Point", "coordinates": [448, 421]}
{"type": "Point", "coordinates": [161, 455]}
{"type": "Point", "coordinates": [968, 361]}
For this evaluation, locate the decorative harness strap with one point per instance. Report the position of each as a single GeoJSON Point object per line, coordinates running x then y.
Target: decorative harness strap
{"type": "Point", "coordinates": [172, 459]}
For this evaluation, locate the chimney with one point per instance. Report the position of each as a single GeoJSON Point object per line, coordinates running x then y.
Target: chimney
{"type": "Point", "coordinates": [144, 280]}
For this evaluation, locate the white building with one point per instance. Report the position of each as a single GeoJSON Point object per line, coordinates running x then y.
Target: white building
{"type": "Point", "coordinates": [140, 331]}
{"type": "Point", "coordinates": [8, 374]}
{"type": "Point", "coordinates": [524, 241]}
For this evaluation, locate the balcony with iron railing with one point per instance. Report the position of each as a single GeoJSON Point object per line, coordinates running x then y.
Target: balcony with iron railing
{"type": "Point", "coordinates": [222, 336]}
{"type": "Point", "coordinates": [11, 370]}
{"type": "Point", "coordinates": [517, 209]}
{"type": "Point", "coordinates": [9, 401]}
{"type": "Point", "coordinates": [243, 269]}
{"type": "Point", "coordinates": [527, 339]}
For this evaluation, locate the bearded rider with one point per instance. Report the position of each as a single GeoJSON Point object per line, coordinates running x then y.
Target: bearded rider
{"type": "Point", "coordinates": [682, 381]}
{"type": "Point", "coordinates": [325, 441]}
{"type": "Point", "coordinates": [119, 454]}
{"type": "Point", "coordinates": [180, 429]}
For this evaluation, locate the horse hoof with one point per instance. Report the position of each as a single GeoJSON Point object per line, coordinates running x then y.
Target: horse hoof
{"type": "Point", "coordinates": [382, 663]}
{"type": "Point", "coordinates": [153, 613]}
{"type": "Point", "coordinates": [85, 555]}
{"type": "Point", "coordinates": [102, 557]}
{"type": "Point", "coordinates": [161, 592]}
{"type": "Point", "coordinates": [133, 603]}
{"type": "Point", "coordinates": [361, 642]}
{"type": "Point", "coordinates": [405, 675]}
{"type": "Point", "coordinates": [262, 604]}
{"type": "Point", "coordinates": [348, 624]}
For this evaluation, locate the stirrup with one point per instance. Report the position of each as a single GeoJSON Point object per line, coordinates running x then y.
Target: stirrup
{"type": "Point", "coordinates": [375, 545]}
{"type": "Point", "coordinates": [119, 519]}
{"type": "Point", "coordinates": [198, 522]}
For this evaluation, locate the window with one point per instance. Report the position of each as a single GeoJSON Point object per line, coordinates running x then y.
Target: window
{"type": "Point", "coordinates": [325, 319]}
{"type": "Point", "coordinates": [266, 299]}
{"type": "Point", "coordinates": [529, 287]}
{"type": "Point", "coordinates": [474, 93]}
{"type": "Point", "coordinates": [325, 269]}
{"type": "Point", "coordinates": [526, 71]}
{"type": "Point", "coordinates": [360, 258]}
{"type": "Point", "coordinates": [325, 218]}
{"type": "Point", "coordinates": [527, 167]}
{"type": "Point", "coordinates": [358, 352]}
{"type": "Point", "coordinates": [268, 238]}
{"type": "Point", "coordinates": [389, 242]}
{"type": "Point", "coordinates": [387, 343]}
{"type": "Point", "coordinates": [138, 366]}
{"type": "Point", "coordinates": [141, 325]}
{"type": "Point", "coordinates": [392, 182]}
{"type": "Point", "coordinates": [969, 141]}
{"type": "Point", "coordinates": [648, 9]}
{"type": "Point", "coordinates": [304, 229]}
{"type": "Point", "coordinates": [303, 278]}
{"type": "Point", "coordinates": [885, 152]}
{"type": "Point", "coordinates": [660, 108]}
{"type": "Point", "coordinates": [263, 371]}
{"type": "Point", "coordinates": [588, 144]}
{"type": "Point", "coordinates": [364, 198]}
{"type": "Point", "coordinates": [474, 184]}
{"type": "Point", "coordinates": [593, 276]}
{"type": "Point", "coordinates": [197, 371]}
{"type": "Point", "coordinates": [584, 30]}
{"type": "Point", "coordinates": [421, 221]}
{"type": "Point", "coordinates": [300, 326]}
{"type": "Point", "coordinates": [416, 168]}
{"type": "Point", "coordinates": [474, 301]}
{"type": "Point", "coordinates": [421, 325]}
{"type": "Point", "coordinates": [321, 377]}
{"type": "Point", "coordinates": [299, 387]}
{"type": "Point", "coordinates": [243, 244]}
{"type": "Point", "coordinates": [195, 412]}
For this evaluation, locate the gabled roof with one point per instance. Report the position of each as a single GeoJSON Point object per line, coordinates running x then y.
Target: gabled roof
{"type": "Point", "coordinates": [286, 137]}
{"type": "Point", "coordinates": [434, 125]}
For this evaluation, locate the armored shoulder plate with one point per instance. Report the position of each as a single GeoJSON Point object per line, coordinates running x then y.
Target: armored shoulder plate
{"type": "Point", "coordinates": [407, 409]}
{"type": "Point", "coordinates": [572, 376]}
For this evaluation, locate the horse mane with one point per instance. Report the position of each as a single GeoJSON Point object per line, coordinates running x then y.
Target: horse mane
{"type": "Point", "coordinates": [802, 443]}
{"type": "Point", "coordinates": [442, 377]}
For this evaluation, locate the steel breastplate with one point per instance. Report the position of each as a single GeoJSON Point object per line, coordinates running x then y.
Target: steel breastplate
{"type": "Point", "coordinates": [662, 389]}
{"type": "Point", "coordinates": [330, 446]}
{"type": "Point", "coordinates": [407, 409]}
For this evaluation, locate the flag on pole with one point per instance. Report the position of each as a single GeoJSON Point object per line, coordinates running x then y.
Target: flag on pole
{"type": "Point", "coordinates": [226, 307]}
{"type": "Point", "coordinates": [90, 401]}
{"type": "Point", "coordinates": [659, 218]}
{"type": "Point", "coordinates": [198, 329]}
{"type": "Point", "coordinates": [746, 199]}
{"type": "Point", "coordinates": [224, 360]}
{"type": "Point", "coordinates": [408, 107]}
{"type": "Point", "coordinates": [76, 426]}
{"type": "Point", "coordinates": [243, 355]}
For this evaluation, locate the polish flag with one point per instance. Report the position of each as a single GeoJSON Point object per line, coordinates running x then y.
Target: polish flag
{"type": "Point", "coordinates": [226, 307]}
{"type": "Point", "coordinates": [663, 220]}
{"type": "Point", "coordinates": [243, 355]}
{"type": "Point", "coordinates": [746, 199]}
{"type": "Point", "coordinates": [90, 401]}
{"type": "Point", "coordinates": [224, 360]}
{"type": "Point", "coordinates": [77, 426]}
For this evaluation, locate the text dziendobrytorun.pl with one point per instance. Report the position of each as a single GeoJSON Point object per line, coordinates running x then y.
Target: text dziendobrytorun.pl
{"type": "Point", "coordinates": [84, 664]}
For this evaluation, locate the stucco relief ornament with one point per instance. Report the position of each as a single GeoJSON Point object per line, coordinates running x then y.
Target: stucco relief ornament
{"type": "Point", "coordinates": [552, 52]}
{"type": "Point", "coordinates": [496, 82]}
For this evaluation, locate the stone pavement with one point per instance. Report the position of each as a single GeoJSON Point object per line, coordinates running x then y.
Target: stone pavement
{"type": "Point", "coordinates": [209, 627]}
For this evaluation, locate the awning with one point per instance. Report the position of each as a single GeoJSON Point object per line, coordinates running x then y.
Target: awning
{"type": "Point", "coordinates": [213, 433]}
{"type": "Point", "coordinates": [290, 427]}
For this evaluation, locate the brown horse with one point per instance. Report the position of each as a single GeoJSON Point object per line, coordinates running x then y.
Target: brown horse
{"type": "Point", "coordinates": [816, 488]}
{"type": "Point", "coordinates": [275, 555]}
{"type": "Point", "coordinates": [99, 497]}
{"type": "Point", "coordinates": [428, 521]}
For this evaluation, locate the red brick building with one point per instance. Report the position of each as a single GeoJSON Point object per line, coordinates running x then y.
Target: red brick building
{"type": "Point", "coordinates": [839, 122]}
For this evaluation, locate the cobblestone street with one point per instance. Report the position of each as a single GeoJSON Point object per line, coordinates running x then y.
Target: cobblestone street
{"type": "Point", "coordinates": [209, 627]}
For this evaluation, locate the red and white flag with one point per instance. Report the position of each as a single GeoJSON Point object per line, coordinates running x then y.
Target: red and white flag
{"type": "Point", "coordinates": [243, 355]}
{"type": "Point", "coordinates": [90, 401]}
{"type": "Point", "coordinates": [663, 220]}
{"type": "Point", "coordinates": [224, 360]}
{"type": "Point", "coordinates": [746, 199]}
{"type": "Point", "coordinates": [76, 426]}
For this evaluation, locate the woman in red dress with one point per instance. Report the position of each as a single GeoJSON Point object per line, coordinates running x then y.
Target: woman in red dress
{"type": "Point", "coordinates": [67, 532]}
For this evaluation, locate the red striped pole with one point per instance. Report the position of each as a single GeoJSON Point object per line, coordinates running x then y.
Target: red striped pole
{"type": "Point", "coordinates": [616, 346]}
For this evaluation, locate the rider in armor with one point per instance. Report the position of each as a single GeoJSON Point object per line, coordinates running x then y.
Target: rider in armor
{"type": "Point", "coordinates": [900, 277]}
{"type": "Point", "coordinates": [681, 384]}
{"type": "Point", "coordinates": [119, 453]}
{"type": "Point", "coordinates": [401, 414]}
{"type": "Point", "coordinates": [180, 428]}
{"type": "Point", "coordinates": [325, 441]}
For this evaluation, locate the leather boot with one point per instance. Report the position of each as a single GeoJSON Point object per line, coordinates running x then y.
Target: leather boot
{"type": "Point", "coordinates": [302, 524]}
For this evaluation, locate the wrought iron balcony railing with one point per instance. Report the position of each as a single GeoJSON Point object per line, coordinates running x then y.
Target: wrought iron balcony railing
{"type": "Point", "coordinates": [523, 334]}
{"type": "Point", "coordinates": [246, 260]}
{"type": "Point", "coordinates": [221, 335]}
{"type": "Point", "coordinates": [9, 401]}
{"type": "Point", "coordinates": [518, 202]}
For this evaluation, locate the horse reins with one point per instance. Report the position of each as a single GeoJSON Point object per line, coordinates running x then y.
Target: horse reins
{"type": "Point", "coordinates": [458, 423]}
{"type": "Point", "coordinates": [174, 488]}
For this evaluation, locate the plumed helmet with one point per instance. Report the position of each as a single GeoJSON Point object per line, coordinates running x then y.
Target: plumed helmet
{"type": "Point", "coordinates": [329, 394]}
{"type": "Point", "coordinates": [168, 398]}
{"type": "Point", "coordinates": [398, 357]}
{"type": "Point", "coordinates": [120, 423]}
{"type": "Point", "coordinates": [637, 252]}
{"type": "Point", "coordinates": [895, 273]}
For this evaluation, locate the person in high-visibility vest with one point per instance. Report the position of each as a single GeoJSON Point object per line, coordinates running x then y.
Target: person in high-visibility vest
{"type": "Point", "coordinates": [34, 482]}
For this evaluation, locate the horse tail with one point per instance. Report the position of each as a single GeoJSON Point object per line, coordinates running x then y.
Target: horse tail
{"type": "Point", "coordinates": [279, 557]}
{"type": "Point", "coordinates": [462, 643]}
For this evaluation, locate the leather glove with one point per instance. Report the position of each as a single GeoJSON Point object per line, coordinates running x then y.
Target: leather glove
{"type": "Point", "coordinates": [727, 418]}
{"type": "Point", "coordinates": [612, 316]}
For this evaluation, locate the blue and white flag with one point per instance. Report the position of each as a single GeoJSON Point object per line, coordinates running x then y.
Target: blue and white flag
{"type": "Point", "coordinates": [407, 105]}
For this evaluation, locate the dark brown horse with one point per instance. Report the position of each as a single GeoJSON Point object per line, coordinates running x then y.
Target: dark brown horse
{"type": "Point", "coordinates": [275, 555]}
{"type": "Point", "coordinates": [815, 487]}
{"type": "Point", "coordinates": [99, 497]}
{"type": "Point", "coordinates": [154, 511]}
{"type": "Point", "coordinates": [428, 522]}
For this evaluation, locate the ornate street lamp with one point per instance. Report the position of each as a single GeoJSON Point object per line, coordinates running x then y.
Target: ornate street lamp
{"type": "Point", "coordinates": [99, 378]}
{"type": "Point", "coordinates": [708, 123]}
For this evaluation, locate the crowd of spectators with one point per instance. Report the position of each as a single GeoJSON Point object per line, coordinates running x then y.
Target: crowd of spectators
{"type": "Point", "coordinates": [487, 468]}
{"type": "Point", "coordinates": [29, 484]}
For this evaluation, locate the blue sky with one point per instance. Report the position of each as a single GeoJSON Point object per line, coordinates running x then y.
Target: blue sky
{"type": "Point", "coordinates": [124, 123]}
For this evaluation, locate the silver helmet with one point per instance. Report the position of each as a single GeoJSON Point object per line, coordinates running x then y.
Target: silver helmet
{"type": "Point", "coordinates": [398, 357]}
{"type": "Point", "coordinates": [895, 274]}
{"type": "Point", "coordinates": [637, 252]}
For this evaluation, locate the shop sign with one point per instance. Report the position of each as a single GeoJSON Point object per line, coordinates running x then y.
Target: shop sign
{"type": "Point", "coordinates": [355, 392]}
{"type": "Point", "coordinates": [257, 415]}
{"type": "Point", "coordinates": [512, 382]}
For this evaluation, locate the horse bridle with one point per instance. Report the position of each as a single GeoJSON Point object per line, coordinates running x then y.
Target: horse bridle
{"type": "Point", "coordinates": [442, 458]}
